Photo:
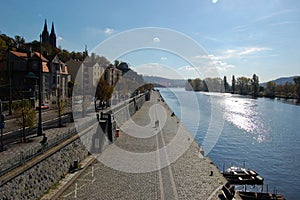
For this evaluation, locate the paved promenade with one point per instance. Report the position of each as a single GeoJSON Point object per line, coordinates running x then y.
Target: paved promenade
{"type": "Point", "coordinates": [155, 157]}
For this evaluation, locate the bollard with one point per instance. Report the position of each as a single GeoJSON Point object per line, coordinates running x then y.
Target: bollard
{"type": "Point", "coordinates": [117, 133]}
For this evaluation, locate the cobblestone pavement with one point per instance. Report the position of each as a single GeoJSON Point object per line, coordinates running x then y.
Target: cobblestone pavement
{"type": "Point", "coordinates": [155, 157]}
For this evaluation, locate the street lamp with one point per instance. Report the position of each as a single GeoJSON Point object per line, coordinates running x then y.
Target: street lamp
{"type": "Point", "coordinates": [10, 85]}
{"type": "Point", "coordinates": [40, 128]}
{"type": "Point", "coordinates": [32, 76]}
{"type": "Point", "coordinates": [59, 105]}
{"type": "Point", "coordinates": [1, 126]}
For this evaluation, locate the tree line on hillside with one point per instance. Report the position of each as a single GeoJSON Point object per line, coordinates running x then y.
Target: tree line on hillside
{"type": "Point", "coordinates": [246, 86]}
{"type": "Point", "coordinates": [19, 44]}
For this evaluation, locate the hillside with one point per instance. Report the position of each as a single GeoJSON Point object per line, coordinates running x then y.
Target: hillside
{"type": "Point", "coordinates": [282, 80]}
{"type": "Point", "coordinates": [165, 81]}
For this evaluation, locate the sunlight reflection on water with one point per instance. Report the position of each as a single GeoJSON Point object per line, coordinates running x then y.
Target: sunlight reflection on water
{"type": "Point", "coordinates": [243, 113]}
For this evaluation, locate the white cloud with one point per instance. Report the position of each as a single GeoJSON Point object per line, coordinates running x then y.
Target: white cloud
{"type": "Point", "coordinates": [59, 38]}
{"type": "Point", "coordinates": [156, 40]}
{"type": "Point", "coordinates": [275, 14]}
{"type": "Point", "coordinates": [222, 62]}
{"type": "Point", "coordinates": [222, 66]}
{"type": "Point", "coordinates": [109, 31]}
{"type": "Point", "coordinates": [251, 50]}
{"type": "Point", "coordinates": [163, 58]}
{"type": "Point", "coordinates": [94, 31]}
{"type": "Point", "coordinates": [229, 51]}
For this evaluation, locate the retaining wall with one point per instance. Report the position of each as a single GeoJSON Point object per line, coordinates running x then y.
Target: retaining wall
{"type": "Point", "coordinates": [34, 182]}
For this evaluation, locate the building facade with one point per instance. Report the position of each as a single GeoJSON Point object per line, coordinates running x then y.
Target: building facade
{"type": "Point", "coordinates": [112, 75]}
{"type": "Point", "coordinates": [20, 72]}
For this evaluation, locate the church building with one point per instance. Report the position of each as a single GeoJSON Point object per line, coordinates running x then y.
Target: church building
{"type": "Point", "coordinates": [49, 39]}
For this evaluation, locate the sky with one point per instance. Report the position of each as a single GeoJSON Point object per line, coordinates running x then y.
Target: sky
{"type": "Point", "coordinates": [234, 37]}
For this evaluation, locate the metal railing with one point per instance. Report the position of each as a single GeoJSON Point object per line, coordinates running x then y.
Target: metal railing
{"type": "Point", "coordinates": [24, 156]}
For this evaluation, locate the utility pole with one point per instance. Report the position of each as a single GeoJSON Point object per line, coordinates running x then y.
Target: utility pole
{"type": "Point", "coordinates": [40, 128]}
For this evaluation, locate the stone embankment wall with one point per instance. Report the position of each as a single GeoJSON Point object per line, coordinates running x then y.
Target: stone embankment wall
{"type": "Point", "coordinates": [34, 182]}
{"type": "Point", "coordinates": [123, 113]}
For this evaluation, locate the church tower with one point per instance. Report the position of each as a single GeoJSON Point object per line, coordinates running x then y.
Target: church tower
{"type": "Point", "coordinates": [52, 37]}
{"type": "Point", "coordinates": [45, 34]}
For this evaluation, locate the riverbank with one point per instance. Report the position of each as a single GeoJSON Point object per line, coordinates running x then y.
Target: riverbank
{"type": "Point", "coordinates": [261, 134]}
{"type": "Point", "coordinates": [141, 164]}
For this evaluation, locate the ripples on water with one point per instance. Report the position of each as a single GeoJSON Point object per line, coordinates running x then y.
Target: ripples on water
{"type": "Point", "coordinates": [244, 114]}
{"type": "Point", "coordinates": [262, 132]}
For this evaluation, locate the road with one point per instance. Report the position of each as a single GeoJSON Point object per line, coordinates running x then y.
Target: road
{"type": "Point", "coordinates": [13, 132]}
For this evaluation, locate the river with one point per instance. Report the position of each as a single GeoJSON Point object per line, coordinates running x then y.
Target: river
{"type": "Point", "coordinates": [262, 134]}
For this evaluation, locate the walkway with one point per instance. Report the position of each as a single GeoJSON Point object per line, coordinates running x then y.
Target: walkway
{"type": "Point", "coordinates": [155, 157]}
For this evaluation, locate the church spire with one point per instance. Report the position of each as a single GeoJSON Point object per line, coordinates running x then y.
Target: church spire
{"type": "Point", "coordinates": [45, 33]}
{"type": "Point", "coordinates": [52, 29]}
{"type": "Point", "coordinates": [45, 26]}
{"type": "Point", "coordinates": [52, 37]}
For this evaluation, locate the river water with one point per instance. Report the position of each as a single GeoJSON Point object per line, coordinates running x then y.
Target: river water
{"type": "Point", "coordinates": [262, 134]}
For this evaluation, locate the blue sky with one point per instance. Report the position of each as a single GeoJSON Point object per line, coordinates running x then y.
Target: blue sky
{"type": "Point", "coordinates": [240, 37]}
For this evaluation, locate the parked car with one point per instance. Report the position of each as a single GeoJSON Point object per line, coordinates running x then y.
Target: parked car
{"type": "Point", "coordinates": [44, 106]}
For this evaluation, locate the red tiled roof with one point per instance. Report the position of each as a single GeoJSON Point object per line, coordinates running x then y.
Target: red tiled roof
{"type": "Point", "coordinates": [24, 55]}
{"type": "Point", "coordinates": [42, 57]}
{"type": "Point", "coordinates": [19, 54]}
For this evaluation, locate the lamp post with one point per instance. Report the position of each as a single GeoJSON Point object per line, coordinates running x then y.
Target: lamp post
{"type": "Point", "coordinates": [32, 76]}
{"type": "Point", "coordinates": [10, 85]}
{"type": "Point", "coordinates": [40, 128]}
{"type": "Point", "coordinates": [58, 99]}
{"type": "Point", "coordinates": [84, 80]}
{"type": "Point", "coordinates": [1, 126]}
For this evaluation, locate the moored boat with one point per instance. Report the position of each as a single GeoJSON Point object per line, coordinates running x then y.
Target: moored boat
{"type": "Point", "coordinates": [242, 176]}
{"type": "Point", "coordinates": [260, 196]}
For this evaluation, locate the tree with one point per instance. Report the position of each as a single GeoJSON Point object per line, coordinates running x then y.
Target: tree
{"type": "Point", "coordinates": [255, 85]}
{"type": "Point", "coordinates": [116, 63]}
{"type": "Point", "coordinates": [28, 116]}
{"type": "Point", "coordinates": [288, 89]}
{"type": "Point", "coordinates": [20, 42]}
{"type": "Point", "coordinates": [233, 85]}
{"type": "Point", "coordinates": [226, 85]}
{"type": "Point", "coordinates": [243, 84]}
{"type": "Point", "coordinates": [297, 83]}
{"type": "Point", "coordinates": [103, 91]}
{"type": "Point", "coordinates": [197, 84]}
{"type": "Point", "coordinates": [64, 55]}
{"type": "Point", "coordinates": [189, 85]}
{"type": "Point", "coordinates": [270, 90]}
{"type": "Point", "coordinates": [60, 108]}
